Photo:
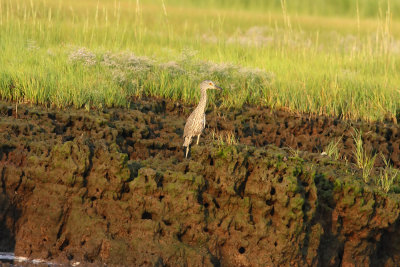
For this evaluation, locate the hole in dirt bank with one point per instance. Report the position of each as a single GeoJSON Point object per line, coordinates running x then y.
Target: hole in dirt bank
{"type": "Point", "coordinates": [272, 212]}
{"type": "Point", "coordinates": [206, 205]}
{"type": "Point", "coordinates": [146, 216]}
{"type": "Point", "coordinates": [88, 258]}
{"type": "Point", "coordinates": [205, 229]}
{"type": "Point", "coordinates": [273, 191]}
{"type": "Point", "coordinates": [5, 150]}
{"type": "Point", "coordinates": [51, 116]}
{"type": "Point", "coordinates": [126, 189]}
{"type": "Point", "coordinates": [299, 144]}
{"type": "Point", "coordinates": [64, 244]}
{"type": "Point", "coordinates": [161, 232]}
{"type": "Point", "coordinates": [67, 138]}
{"type": "Point", "coordinates": [275, 244]}
{"type": "Point", "coordinates": [216, 203]}
{"type": "Point", "coordinates": [242, 250]}
{"type": "Point", "coordinates": [160, 198]}
{"type": "Point", "coordinates": [167, 223]}
{"type": "Point", "coordinates": [159, 179]}
{"type": "Point", "coordinates": [280, 179]}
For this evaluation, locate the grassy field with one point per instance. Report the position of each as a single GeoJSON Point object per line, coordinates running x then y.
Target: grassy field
{"type": "Point", "coordinates": [340, 59]}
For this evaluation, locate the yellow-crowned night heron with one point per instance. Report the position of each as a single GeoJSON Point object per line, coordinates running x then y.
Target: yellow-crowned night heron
{"type": "Point", "coordinates": [197, 120]}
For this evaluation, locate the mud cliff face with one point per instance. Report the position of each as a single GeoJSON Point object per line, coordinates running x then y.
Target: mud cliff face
{"type": "Point", "coordinates": [114, 187]}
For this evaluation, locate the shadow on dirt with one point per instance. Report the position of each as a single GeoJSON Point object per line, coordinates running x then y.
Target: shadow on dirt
{"type": "Point", "coordinates": [9, 215]}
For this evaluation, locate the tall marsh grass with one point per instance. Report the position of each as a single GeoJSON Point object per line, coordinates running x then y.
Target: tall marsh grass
{"type": "Point", "coordinates": [367, 8]}
{"type": "Point", "coordinates": [101, 53]}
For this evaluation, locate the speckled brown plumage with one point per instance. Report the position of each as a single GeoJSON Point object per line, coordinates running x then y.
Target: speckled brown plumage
{"type": "Point", "coordinates": [196, 122]}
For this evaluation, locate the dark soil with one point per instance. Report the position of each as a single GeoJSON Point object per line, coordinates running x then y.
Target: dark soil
{"type": "Point", "coordinates": [260, 126]}
{"type": "Point", "coordinates": [113, 187]}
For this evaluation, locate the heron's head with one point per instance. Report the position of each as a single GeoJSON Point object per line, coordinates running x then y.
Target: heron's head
{"type": "Point", "coordinates": [209, 85]}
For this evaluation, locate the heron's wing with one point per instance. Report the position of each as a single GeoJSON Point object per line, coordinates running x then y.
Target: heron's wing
{"type": "Point", "coordinates": [189, 124]}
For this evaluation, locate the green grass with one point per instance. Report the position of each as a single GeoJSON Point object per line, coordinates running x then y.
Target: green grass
{"type": "Point", "coordinates": [332, 149]}
{"type": "Point", "coordinates": [388, 175]}
{"type": "Point", "coordinates": [364, 160]}
{"type": "Point", "coordinates": [101, 53]}
{"type": "Point", "coordinates": [366, 8]}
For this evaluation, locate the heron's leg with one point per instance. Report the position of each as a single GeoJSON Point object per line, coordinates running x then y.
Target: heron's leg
{"type": "Point", "coordinates": [198, 137]}
{"type": "Point", "coordinates": [187, 151]}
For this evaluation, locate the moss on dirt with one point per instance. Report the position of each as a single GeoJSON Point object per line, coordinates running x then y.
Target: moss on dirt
{"type": "Point", "coordinates": [114, 187]}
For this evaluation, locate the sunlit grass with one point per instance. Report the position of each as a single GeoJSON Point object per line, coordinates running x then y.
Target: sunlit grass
{"type": "Point", "coordinates": [332, 149]}
{"type": "Point", "coordinates": [348, 8]}
{"type": "Point", "coordinates": [387, 175]}
{"type": "Point", "coordinates": [364, 160]}
{"type": "Point", "coordinates": [101, 53]}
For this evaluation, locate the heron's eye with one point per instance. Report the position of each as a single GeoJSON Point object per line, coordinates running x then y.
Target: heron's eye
{"type": "Point", "coordinates": [210, 83]}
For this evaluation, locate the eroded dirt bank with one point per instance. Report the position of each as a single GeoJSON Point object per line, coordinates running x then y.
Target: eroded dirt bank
{"type": "Point", "coordinates": [113, 187]}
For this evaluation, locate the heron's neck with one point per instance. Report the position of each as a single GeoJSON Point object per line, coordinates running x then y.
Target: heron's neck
{"type": "Point", "coordinates": [203, 101]}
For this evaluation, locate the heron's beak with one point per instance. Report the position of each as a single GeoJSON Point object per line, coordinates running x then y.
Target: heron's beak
{"type": "Point", "coordinates": [217, 87]}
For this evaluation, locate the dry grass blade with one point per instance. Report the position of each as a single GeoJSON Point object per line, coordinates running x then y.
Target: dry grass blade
{"type": "Point", "coordinates": [226, 138]}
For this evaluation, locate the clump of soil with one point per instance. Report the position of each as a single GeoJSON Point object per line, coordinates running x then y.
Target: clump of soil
{"type": "Point", "coordinates": [113, 187]}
